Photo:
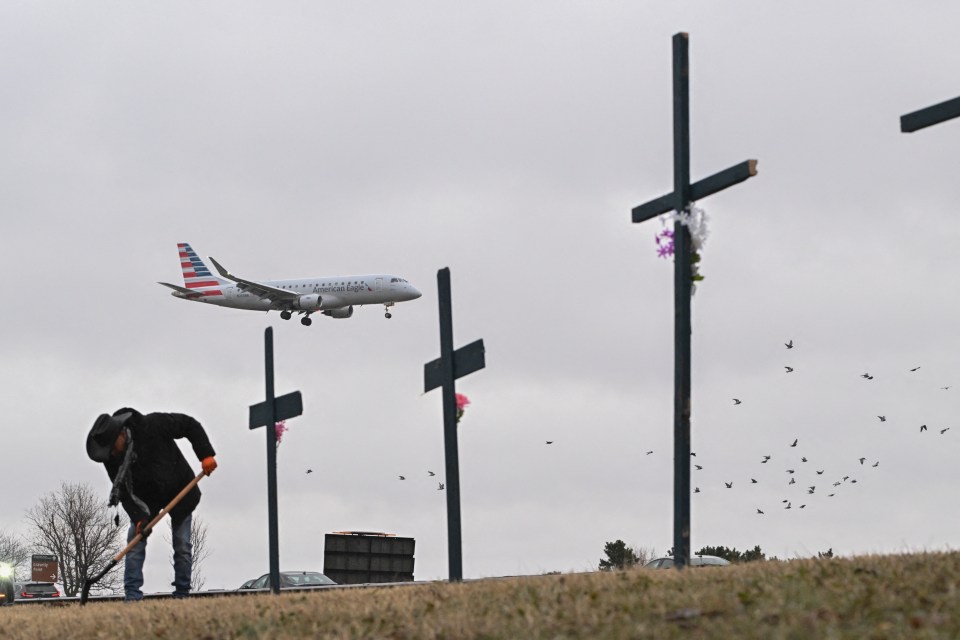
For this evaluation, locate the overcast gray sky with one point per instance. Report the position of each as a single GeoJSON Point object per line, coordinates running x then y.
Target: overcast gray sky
{"type": "Point", "coordinates": [507, 141]}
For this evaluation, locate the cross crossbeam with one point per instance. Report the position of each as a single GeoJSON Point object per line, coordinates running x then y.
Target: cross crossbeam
{"type": "Point", "coordinates": [680, 199]}
{"type": "Point", "coordinates": [922, 118]}
{"type": "Point", "coordinates": [443, 372]}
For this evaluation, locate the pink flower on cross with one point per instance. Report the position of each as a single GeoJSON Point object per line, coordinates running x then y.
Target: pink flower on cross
{"type": "Point", "coordinates": [462, 402]}
{"type": "Point", "coordinates": [280, 428]}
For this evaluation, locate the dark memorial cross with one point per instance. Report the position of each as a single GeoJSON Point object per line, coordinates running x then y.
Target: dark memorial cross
{"type": "Point", "coordinates": [267, 414]}
{"type": "Point", "coordinates": [679, 200]}
{"type": "Point", "coordinates": [930, 116]}
{"type": "Point", "coordinates": [443, 372]}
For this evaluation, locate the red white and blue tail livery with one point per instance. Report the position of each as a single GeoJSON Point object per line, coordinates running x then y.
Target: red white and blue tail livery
{"type": "Point", "coordinates": [333, 296]}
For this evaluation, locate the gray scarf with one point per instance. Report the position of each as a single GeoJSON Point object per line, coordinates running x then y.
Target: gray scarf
{"type": "Point", "coordinates": [124, 478]}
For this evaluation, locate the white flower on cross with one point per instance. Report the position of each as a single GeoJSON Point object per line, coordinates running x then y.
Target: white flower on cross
{"type": "Point", "coordinates": [695, 220]}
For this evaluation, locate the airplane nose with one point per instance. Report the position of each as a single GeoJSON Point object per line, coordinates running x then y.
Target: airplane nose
{"type": "Point", "coordinates": [414, 292]}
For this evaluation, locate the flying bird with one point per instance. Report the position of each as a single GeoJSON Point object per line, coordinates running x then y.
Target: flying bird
{"type": "Point", "coordinates": [802, 506]}
{"type": "Point", "coordinates": [649, 452]}
{"type": "Point", "coordinates": [699, 468]}
{"type": "Point", "coordinates": [876, 464]}
{"type": "Point", "coordinates": [914, 369]}
{"type": "Point", "coordinates": [760, 512]}
{"type": "Point", "coordinates": [696, 489]}
{"type": "Point", "coordinates": [549, 441]}
{"type": "Point", "coordinates": [402, 477]}
{"type": "Point", "coordinates": [791, 471]}
{"type": "Point", "coordinates": [944, 388]}
{"type": "Point", "coordinates": [923, 428]}
{"type": "Point", "coordinates": [788, 345]}
{"type": "Point", "coordinates": [735, 401]}
{"type": "Point", "coordinates": [820, 473]}
{"type": "Point", "coordinates": [867, 376]}
{"type": "Point", "coordinates": [752, 480]}
{"type": "Point", "coordinates": [440, 488]}
{"type": "Point", "coordinates": [803, 459]}
{"type": "Point", "coordinates": [861, 460]}
{"type": "Point", "coordinates": [309, 470]}
{"type": "Point", "coordinates": [836, 484]}
{"type": "Point", "coordinates": [765, 458]}
{"type": "Point", "coordinates": [789, 369]}
{"type": "Point", "coordinates": [792, 481]}
{"type": "Point", "coordinates": [831, 495]}
{"type": "Point", "coordinates": [788, 506]}
{"type": "Point", "coordinates": [882, 418]}
{"type": "Point", "coordinates": [943, 431]}
{"type": "Point", "coordinates": [854, 481]}
{"type": "Point", "coordinates": [794, 443]}
{"type": "Point", "coordinates": [810, 491]}
{"type": "Point", "coordinates": [729, 485]}
{"type": "Point", "coordinates": [431, 473]}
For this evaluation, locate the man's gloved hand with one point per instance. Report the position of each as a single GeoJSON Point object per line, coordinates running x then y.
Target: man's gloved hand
{"type": "Point", "coordinates": [209, 464]}
{"type": "Point", "coordinates": [141, 525]}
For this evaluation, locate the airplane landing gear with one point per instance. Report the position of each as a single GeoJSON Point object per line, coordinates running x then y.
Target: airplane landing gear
{"type": "Point", "coordinates": [285, 315]}
{"type": "Point", "coordinates": [386, 310]}
{"type": "Point", "coordinates": [387, 315]}
{"type": "Point", "coordinates": [306, 321]}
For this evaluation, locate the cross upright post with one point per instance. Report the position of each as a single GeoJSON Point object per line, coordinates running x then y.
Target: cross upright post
{"type": "Point", "coordinates": [267, 414]}
{"type": "Point", "coordinates": [680, 199]}
{"type": "Point", "coordinates": [443, 372]}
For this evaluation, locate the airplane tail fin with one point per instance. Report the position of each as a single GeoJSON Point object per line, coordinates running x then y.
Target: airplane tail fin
{"type": "Point", "coordinates": [196, 274]}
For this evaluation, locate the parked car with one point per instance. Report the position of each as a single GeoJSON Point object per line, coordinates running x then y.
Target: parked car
{"type": "Point", "coordinates": [24, 590]}
{"type": "Point", "coordinates": [290, 579]}
{"type": "Point", "coordinates": [695, 561]}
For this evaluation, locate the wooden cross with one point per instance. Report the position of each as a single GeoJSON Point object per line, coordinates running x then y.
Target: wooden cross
{"type": "Point", "coordinates": [267, 414]}
{"type": "Point", "coordinates": [930, 116]}
{"type": "Point", "coordinates": [680, 199]}
{"type": "Point", "coordinates": [443, 372]}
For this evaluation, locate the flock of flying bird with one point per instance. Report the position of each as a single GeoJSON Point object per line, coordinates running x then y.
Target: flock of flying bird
{"type": "Point", "coordinates": [827, 486]}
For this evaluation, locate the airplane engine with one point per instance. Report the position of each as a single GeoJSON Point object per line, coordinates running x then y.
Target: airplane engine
{"type": "Point", "coordinates": [343, 312]}
{"type": "Point", "coordinates": [311, 302]}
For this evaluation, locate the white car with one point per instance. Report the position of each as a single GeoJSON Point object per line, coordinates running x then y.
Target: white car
{"type": "Point", "coordinates": [695, 561]}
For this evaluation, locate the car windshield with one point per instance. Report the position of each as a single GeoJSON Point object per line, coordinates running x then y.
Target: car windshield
{"type": "Point", "coordinates": [307, 579]}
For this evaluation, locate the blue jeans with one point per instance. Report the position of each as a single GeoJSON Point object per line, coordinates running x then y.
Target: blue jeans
{"type": "Point", "coordinates": [182, 561]}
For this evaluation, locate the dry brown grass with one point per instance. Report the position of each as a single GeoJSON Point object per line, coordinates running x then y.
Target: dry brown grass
{"type": "Point", "coordinates": [913, 596]}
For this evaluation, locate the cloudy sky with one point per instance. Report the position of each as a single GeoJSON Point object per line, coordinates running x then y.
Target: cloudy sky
{"type": "Point", "coordinates": [507, 141]}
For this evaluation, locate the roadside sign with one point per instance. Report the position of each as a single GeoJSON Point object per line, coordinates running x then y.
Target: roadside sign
{"type": "Point", "coordinates": [43, 568]}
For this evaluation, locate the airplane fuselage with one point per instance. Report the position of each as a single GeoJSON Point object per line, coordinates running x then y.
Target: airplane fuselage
{"type": "Point", "coordinates": [336, 292]}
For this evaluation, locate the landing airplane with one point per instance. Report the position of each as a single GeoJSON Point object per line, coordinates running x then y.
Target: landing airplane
{"type": "Point", "coordinates": [333, 296]}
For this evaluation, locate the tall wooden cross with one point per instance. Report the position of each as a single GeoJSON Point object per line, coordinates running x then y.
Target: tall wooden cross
{"type": "Point", "coordinates": [267, 414]}
{"type": "Point", "coordinates": [930, 116]}
{"type": "Point", "coordinates": [443, 372]}
{"type": "Point", "coordinates": [683, 194]}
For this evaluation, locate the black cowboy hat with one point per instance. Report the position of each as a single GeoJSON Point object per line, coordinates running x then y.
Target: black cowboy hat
{"type": "Point", "coordinates": [104, 434]}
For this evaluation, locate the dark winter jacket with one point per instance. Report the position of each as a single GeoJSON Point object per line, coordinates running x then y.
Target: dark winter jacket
{"type": "Point", "coordinates": [159, 472]}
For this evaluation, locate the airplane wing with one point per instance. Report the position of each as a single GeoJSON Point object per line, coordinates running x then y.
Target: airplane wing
{"type": "Point", "coordinates": [263, 291]}
{"type": "Point", "coordinates": [186, 292]}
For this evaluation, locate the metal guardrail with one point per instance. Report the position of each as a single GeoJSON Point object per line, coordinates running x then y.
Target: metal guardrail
{"type": "Point", "coordinates": [65, 600]}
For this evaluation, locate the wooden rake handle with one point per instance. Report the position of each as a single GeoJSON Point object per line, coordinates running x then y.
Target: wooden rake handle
{"type": "Point", "coordinates": [85, 592]}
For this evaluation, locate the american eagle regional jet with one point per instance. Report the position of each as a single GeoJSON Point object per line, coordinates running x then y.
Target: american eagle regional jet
{"type": "Point", "coordinates": [332, 296]}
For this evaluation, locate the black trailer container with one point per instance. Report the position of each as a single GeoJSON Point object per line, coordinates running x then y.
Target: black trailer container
{"type": "Point", "coordinates": [361, 557]}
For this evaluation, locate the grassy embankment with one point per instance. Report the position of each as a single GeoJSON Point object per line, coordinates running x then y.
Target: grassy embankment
{"type": "Point", "coordinates": [915, 596]}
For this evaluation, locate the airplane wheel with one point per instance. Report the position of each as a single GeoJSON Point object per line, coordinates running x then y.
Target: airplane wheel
{"type": "Point", "coordinates": [387, 315]}
{"type": "Point", "coordinates": [285, 315]}
{"type": "Point", "coordinates": [306, 321]}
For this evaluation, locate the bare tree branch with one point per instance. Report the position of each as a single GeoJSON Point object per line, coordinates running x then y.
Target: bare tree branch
{"type": "Point", "coordinates": [75, 526]}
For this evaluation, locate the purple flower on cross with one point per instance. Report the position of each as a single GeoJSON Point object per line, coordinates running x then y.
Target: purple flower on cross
{"type": "Point", "coordinates": [664, 243]}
